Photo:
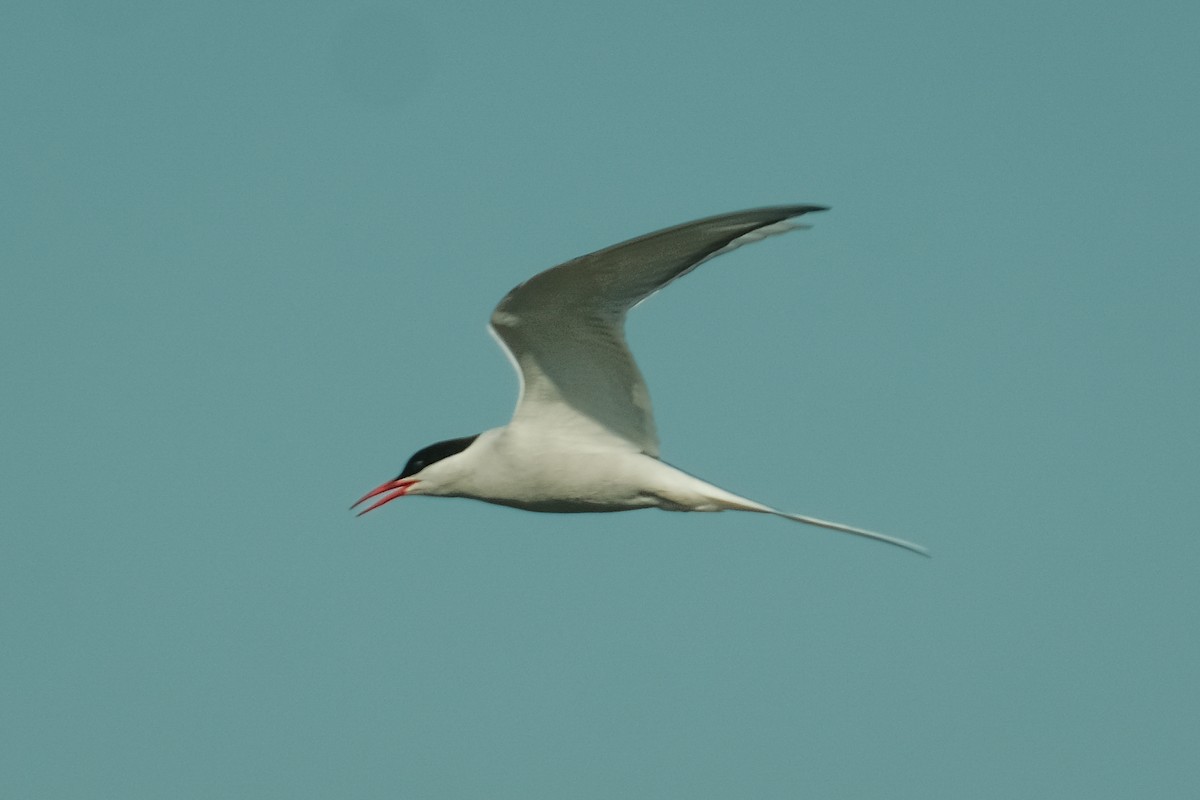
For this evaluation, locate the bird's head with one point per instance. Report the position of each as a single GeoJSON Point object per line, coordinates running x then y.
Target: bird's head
{"type": "Point", "coordinates": [420, 475]}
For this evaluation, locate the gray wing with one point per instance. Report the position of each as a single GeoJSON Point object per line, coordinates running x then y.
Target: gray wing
{"type": "Point", "coordinates": [563, 329]}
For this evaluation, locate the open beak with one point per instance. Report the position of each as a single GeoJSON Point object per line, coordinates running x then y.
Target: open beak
{"type": "Point", "coordinates": [391, 490]}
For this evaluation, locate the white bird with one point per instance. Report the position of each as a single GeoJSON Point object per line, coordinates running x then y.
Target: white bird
{"type": "Point", "coordinates": [582, 436]}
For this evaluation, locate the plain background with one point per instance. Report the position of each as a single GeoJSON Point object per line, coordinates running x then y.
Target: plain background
{"type": "Point", "coordinates": [248, 252]}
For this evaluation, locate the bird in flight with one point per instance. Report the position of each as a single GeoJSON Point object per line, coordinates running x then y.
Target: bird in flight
{"type": "Point", "coordinates": [582, 436]}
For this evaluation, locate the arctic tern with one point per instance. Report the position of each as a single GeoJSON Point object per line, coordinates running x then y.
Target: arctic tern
{"type": "Point", "coordinates": [582, 437]}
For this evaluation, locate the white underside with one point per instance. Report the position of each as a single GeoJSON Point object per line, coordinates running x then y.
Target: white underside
{"type": "Point", "coordinates": [549, 474]}
{"type": "Point", "coordinates": [545, 473]}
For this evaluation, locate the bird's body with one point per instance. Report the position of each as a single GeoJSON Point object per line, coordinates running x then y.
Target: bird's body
{"type": "Point", "coordinates": [543, 473]}
{"type": "Point", "coordinates": [582, 437]}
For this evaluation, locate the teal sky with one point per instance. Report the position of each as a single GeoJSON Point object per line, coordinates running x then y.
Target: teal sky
{"type": "Point", "coordinates": [248, 255]}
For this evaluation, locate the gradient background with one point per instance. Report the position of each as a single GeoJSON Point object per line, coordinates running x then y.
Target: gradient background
{"type": "Point", "coordinates": [248, 255]}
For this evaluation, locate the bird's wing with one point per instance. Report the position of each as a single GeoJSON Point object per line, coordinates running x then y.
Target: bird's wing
{"type": "Point", "coordinates": [563, 329]}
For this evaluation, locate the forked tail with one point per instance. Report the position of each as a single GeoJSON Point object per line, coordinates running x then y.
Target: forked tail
{"type": "Point", "coordinates": [735, 503]}
{"type": "Point", "coordinates": [693, 494]}
{"type": "Point", "coordinates": [837, 526]}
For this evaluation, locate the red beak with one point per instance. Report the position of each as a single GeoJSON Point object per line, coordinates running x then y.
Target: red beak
{"type": "Point", "coordinates": [398, 488]}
